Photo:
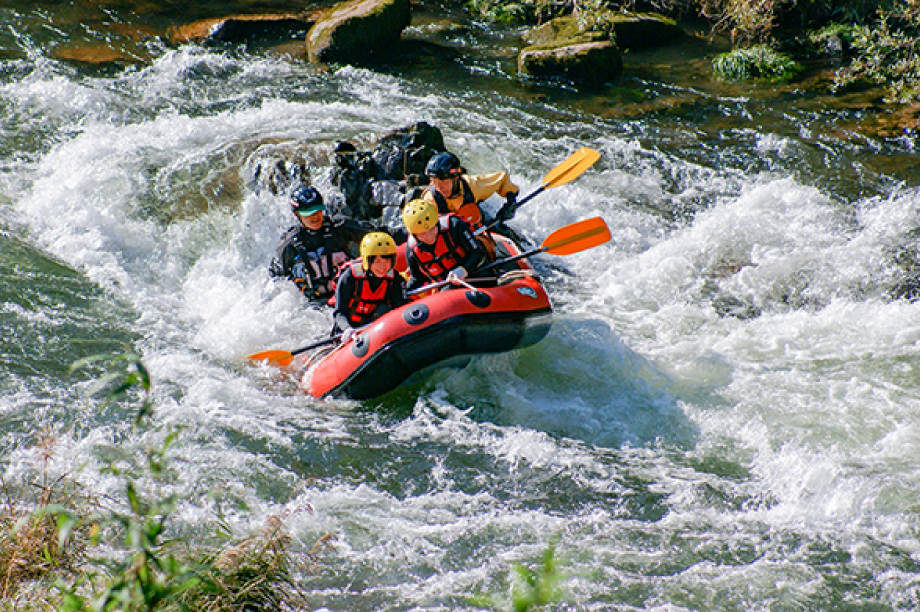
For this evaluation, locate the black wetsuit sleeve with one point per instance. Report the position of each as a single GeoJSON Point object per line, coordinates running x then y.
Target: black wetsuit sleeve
{"type": "Point", "coordinates": [396, 293]}
{"type": "Point", "coordinates": [285, 254]}
{"type": "Point", "coordinates": [462, 235]}
{"type": "Point", "coordinates": [416, 278]}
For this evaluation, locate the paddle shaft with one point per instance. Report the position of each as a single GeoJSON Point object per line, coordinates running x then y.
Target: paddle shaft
{"type": "Point", "coordinates": [512, 259]}
{"type": "Point", "coordinates": [439, 284]}
{"type": "Point", "coordinates": [566, 240]}
{"type": "Point", "coordinates": [318, 344]}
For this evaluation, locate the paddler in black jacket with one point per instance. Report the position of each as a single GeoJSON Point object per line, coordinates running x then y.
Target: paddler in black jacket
{"type": "Point", "coordinates": [439, 248]}
{"type": "Point", "coordinates": [368, 287]}
{"type": "Point", "coordinates": [311, 252]}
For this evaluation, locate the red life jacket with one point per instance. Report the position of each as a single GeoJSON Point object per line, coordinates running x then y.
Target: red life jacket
{"type": "Point", "coordinates": [440, 258]}
{"type": "Point", "coordinates": [365, 301]}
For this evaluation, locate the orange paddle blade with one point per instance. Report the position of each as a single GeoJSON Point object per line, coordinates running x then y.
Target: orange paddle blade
{"type": "Point", "coordinates": [577, 237]}
{"type": "Point", "coordinates": [571, 168]}
{"type": "Point", "coordinates": [274, 357]}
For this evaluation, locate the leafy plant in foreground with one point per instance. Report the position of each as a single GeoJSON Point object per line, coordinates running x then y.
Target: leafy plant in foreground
{"type": "Point", "coordinates": [755, 63]}
{"type": "Point", "coordinates": [138, 567]}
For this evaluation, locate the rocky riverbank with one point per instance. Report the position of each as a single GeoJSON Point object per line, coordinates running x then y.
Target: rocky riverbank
{"type": "Point", "coordinates": [370, 32]}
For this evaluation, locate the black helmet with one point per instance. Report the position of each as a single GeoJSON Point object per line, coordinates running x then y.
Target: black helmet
{"type": "Point", "coordinates": [443, 165]}
{"type": "Point", "coordinates": [307, 200]}
{"type": "Point", "coordinates": [345, 154]}
{"type": "Point", "coordinates": [345, 147]}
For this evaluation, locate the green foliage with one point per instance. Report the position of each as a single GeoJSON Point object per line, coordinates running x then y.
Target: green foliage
{"type": "Point", "coordinates": [755, 63]}
{"type": "Point", "coordinates": [537, 587]}
{"type": "Point", "coordinates": [501, 12]}
{"type": "Point", "coordinates": [826, 38]}
{"type": "Point", "coordinates": [594, 16]}
{"type": "Point", "coordinates": [123, 372]}
{"type": "Point", "coordinates": [744, 20]}
{"type": "Point", "coordinates": [146, 575]}
{"type": "Point", "coordinates": [137, 568]}
{"type": "Point", "coordinates": [887, 55]}
{"type": "Point", "coordinates": [531, 588]}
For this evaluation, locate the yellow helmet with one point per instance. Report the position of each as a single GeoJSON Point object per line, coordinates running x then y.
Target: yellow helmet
{"type": "Point", "coordinates": [375, 244]}
{"type": "Point", "coordinates": [420, 216]}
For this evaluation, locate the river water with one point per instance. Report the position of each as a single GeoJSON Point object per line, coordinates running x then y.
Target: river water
{"type": "Point", "coordinates": [723, 417]}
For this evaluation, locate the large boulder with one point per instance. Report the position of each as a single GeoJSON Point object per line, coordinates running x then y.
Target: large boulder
{"type": "Point", "coordinates": [630, 31]}
{"type": "Point", "coordinates": [582, 61]}
{"type": "Point", "coordinates": [353, 32]}
{"type": "Point", "coordinates": [634, 31]}
{"type": "Point", "coordinates": [241, 28]}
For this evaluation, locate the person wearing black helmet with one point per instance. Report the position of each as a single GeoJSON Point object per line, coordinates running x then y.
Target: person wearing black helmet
{"type": "Point", "coordinates": [311, 252]}
{"type": "Point", "coordinates": [452, 190]}
{"type": "Point", "coordinates": [354, 175]}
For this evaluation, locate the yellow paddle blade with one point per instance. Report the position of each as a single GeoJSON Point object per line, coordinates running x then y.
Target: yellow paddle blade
{"type": "Point", "coordinates": [577, 237]}
{"type": "Point", "coordinates": [571, 168]}
{"type": "Point", "coordinates": [275, 357]}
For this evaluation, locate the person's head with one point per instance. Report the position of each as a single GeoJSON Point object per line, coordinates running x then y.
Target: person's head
{"type": "Point", "coordinates": [307, 204]}
{"type": "Point", "coordinates": [378, 253]}
{"type": "Point", "coordinates": [421, 219]}
{"type": "Point", "coordinates": [443, 170]}
{"type": "Point", "coordinates": [345, 154]}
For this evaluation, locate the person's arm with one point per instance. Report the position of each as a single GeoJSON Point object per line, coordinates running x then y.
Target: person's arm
{"type": "Point", "coordinates": [416, 278]}
{"type": "Point", "coordinates": [396, 292]}
{"type": "Point", "coordinates": [344, 289]}
{"type": "Point", "coordinates": [462, 234]}
{"type": "Point", "coordinates": [484, 185]}
{"type": "Point", "coordinates": [283, 259]}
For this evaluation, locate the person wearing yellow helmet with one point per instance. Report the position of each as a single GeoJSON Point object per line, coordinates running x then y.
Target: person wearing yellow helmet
{"type": "Point", "coordinates": [439, 247]}
{"type": "Point", "coordinates": [369, 286]}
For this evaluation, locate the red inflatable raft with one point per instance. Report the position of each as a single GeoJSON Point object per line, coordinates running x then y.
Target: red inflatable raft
{"type": "Point", "coordinates": [500, 314]}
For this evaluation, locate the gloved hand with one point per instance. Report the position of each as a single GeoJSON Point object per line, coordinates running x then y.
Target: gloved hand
{"type": "Point", "coordinates": [507, 210]}
{"type": "Point", "coordinates": [348, 334]}
{"type": "Point", "coordinates": [457, 274]}
{"type": "Point", "coordinates": [301, 278]}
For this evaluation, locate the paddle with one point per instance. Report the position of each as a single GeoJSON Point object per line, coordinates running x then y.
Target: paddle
{"type": "Point", "coordinates": [282, 358]}
{"type": "Point", "coordinates": [572, 238]}
{"type": "Point", "coordinates": [566, 172]}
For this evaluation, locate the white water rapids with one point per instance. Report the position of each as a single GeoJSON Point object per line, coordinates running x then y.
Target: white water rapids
{"type": "Point", "coordinates": [724, 415]}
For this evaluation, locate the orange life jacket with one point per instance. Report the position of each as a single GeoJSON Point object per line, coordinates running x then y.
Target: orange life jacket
{"type": "Point", "coordinates": [469, 210]}
{"type": "Point", "coordinates": [440, 258]}
{"type": "Point", "coordinates": [365, 301]}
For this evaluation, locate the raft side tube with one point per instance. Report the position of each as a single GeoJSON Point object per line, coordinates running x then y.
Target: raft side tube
{"type": "Point", "coordinates": [467, 334]}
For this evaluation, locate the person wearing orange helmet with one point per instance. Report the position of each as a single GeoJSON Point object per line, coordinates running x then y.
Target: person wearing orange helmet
{"type": "Point", "coordinates": [369, 286]}
{"type": "Point", "coordinates": [439, 247]}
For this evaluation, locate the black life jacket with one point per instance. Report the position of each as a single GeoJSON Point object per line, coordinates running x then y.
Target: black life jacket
{"type": "Point", "coordinates": [440, 258]}
{"type": "Point", "coordinates": [321, 263]}
{"type": "Point", "coordinates": [365, 301]}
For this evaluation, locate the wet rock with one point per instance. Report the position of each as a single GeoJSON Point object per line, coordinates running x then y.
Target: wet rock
{"type": "Point", "coordinates": [354, 32]}
{"type": "Point", "coordinates": [96, 54]}
{"type": "Point", "coordinates": [645, 30]}
{"type": "Point", "coordinates": [631, 31]}
{"type": "Point", "coordinates": [242, 28]}
{"type": "Point", "coordinates": [586, 63]}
